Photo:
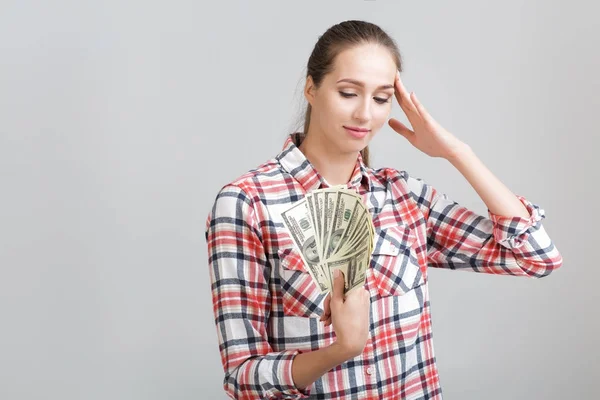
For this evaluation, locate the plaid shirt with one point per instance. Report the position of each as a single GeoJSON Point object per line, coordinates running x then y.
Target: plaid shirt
{"type": "Point", "coordinates": [267, 307]}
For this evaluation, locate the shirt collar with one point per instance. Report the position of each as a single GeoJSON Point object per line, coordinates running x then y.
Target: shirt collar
{"type": "Point", "coordinates": [297, 165]}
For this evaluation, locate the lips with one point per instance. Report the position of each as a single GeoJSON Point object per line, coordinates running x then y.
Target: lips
{"type": "Point", "coordinates": [357, 129]}
{"type": "Point", "coordinates": [357, 133]}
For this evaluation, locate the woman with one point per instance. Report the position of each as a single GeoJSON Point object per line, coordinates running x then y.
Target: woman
{"type": "Point", "coordinates": [279, 336]}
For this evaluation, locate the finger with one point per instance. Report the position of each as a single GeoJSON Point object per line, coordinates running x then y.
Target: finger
{"type": "Point", "coordinates": [403, 96]}
{"type": "Point", "coordinates": [326, 308]}
{"type": "Point", "coordinates": [359, 295]}
{"type": "Point", "coordinates": [422, 111]}
{"type": "Point", "coordinates": [338, 286]}
{"type": "Point", "coordinates": [400, 128]}
{"type": "Point", "coordinates": [328, 321]}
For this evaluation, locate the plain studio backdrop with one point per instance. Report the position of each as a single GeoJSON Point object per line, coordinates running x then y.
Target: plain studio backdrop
{"type": "Point", "coordinates": [120, 121]}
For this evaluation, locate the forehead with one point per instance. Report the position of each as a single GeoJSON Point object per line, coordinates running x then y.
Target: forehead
{"type": "Point", "coordinates": [369, 63]}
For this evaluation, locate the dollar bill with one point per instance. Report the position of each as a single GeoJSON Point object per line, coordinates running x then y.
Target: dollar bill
{"type": "Point", "coordinates": [332, 229]}
{"type": "Point", "coordinates": [358, 273]}
{"type": "Point", "coordinates": [312, 215]}
{"type": "Point", "coordinates": [318, 217]}
{"type": "Point", "coordinates": [297, 221]}
{"type": "Point", "coordinates": [347, 206]}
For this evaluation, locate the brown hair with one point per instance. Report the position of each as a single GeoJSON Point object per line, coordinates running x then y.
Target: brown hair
{"type": "Point", "coordinates": [336, 39]}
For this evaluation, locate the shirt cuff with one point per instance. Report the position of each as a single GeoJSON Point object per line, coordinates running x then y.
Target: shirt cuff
{"type": "Point", "coordinates": [513, 232]}
{"type": "Point", "coordinates": [284, 375]}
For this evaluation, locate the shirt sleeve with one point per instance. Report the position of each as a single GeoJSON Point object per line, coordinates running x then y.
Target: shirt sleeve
{"type": "Point", "coordinates": [458, 238]}
{"type": "Point", "coordinates": [239, 276]}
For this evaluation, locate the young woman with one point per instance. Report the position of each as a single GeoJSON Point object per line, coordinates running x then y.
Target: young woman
{"type": "Point", "coordinates": [279, 336]}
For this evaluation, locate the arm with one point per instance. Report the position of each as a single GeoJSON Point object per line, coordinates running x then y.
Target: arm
{"type": "Point", "coordinates": [512, 241]}
{"type": "Point", "coordinates": [499, 200]}
{"type": "Point", "coordinates": [458, 238]}
{"type": "Point", "coordinates": [239, 275]}
{"type": "Point", "coordinates": [350, 316]}
{"type": "Point", "coordinates": [310, 366]}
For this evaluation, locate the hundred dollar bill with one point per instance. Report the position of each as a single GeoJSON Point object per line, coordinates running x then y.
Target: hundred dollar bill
{"type": "Point", "coordinates": [332, 229]}
{"type": "Point", "coordinates": [346, 206]}
{"type": "Point", "coordinates": [318, 217]}
{"type": "Point", "coordinates": [354, 268]}
{"type": "Point", "coordinates": [349, 229]}
{"type": "Point", "coordinates": [313, 219]}
{"type": "Point", "coordinates": [297, 221]}
{"type": "Point", "coordinates": [342, 265]}
{"type": "Point", "coordinates": [329, 202]}
{"type": "Point", "coordinates": [354, 232]}
{"type": "Point", "coordinates": [357, 274]}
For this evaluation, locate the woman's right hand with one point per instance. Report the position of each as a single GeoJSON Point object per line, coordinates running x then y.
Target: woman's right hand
{"type": "Point", "coordinates": [349, 315]}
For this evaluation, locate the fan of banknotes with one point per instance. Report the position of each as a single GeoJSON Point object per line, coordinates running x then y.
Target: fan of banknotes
{"type": "Point", "coordinates": [332, 229]}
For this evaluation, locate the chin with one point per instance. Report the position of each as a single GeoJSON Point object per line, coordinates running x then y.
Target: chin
{"type": "Point", "coordinates": [358, 146]}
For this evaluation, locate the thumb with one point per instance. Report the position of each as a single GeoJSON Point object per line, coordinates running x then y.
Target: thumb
{"type": "Point", "coordinates": [400, 128]}
{"type": "Point", "coordinates": [338, 286]}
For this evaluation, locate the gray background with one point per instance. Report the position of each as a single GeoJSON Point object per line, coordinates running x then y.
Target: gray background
{"type": "Point", "coordinates": [120, 121]}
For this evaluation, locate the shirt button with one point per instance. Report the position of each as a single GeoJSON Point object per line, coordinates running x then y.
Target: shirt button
{"type": "Point", "coordinates": [369, 370]}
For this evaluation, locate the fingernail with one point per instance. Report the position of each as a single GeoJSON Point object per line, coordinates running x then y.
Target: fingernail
{"type": "Point", "coordinates": [336, 273]}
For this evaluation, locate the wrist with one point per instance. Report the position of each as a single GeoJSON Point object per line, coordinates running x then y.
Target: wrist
{"type": "Point", "coordinates": [459, 152]}
{"type": "Point", "coordinates": [340, 353]}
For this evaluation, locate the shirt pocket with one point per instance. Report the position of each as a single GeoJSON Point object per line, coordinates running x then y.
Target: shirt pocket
{"type": "Point", "coordinates": [395, 268]}
{"type": "Point", "coordinates": [301, 296]}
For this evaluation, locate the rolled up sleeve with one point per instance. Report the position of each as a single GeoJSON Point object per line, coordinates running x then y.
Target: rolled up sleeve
{"type": "Point", "coordinates": [458, 238]}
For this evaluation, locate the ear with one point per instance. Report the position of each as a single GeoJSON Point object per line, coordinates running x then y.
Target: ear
{"type": "Point", "coordinates": [309, 90]}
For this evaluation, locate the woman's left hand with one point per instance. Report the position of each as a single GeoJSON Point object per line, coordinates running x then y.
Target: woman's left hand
{"type": "Point", "coordinates": [427, 135]}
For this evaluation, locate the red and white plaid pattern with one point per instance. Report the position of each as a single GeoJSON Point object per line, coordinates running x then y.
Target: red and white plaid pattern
{"type": "Point", "coordinates": [267, 307]}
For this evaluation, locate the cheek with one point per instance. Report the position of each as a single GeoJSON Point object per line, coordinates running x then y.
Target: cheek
{"type": "Point", "coordinates": [336, 112]}
{"type": "Point", "coordinates": [338, 105]}
{"type": "Point", "coordinates": [382, 114]}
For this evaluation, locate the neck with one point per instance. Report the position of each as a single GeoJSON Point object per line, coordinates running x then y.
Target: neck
{"type": "Point", "coordinates": [335, 167]}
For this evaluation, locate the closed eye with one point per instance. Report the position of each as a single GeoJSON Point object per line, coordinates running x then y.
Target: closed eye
{"type": "Point", "coordinates": [379, 100]}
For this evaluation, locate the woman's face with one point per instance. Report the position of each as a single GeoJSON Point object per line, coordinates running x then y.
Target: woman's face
{"type": "Point", "coordinates": [357, 93]}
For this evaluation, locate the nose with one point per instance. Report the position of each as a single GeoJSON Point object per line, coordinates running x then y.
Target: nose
{"type": "Point", "coordinates": [362, 113]}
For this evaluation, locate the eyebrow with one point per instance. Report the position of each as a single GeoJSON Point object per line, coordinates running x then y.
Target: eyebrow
{"type": "Point", "coordinates": [359, 83]}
